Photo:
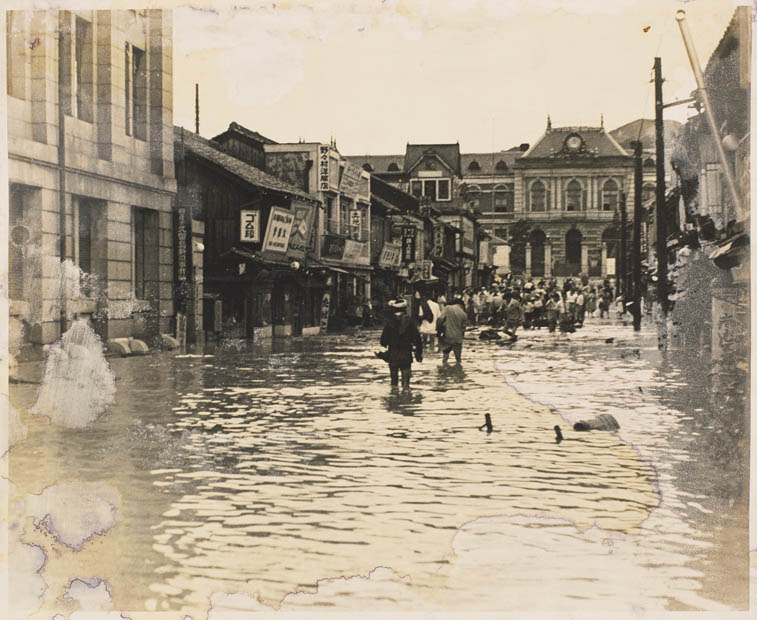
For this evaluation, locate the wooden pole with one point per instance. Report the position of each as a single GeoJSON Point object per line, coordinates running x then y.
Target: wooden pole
{"type": "Point", "coordinates": [622, 268]}
{"type": "Point", "coordinates": [636, 246]}
{"type": "Point", "coordinates": [662, 233]}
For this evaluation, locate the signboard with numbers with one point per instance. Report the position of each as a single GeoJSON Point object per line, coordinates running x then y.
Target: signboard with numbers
{"type": "Point", "coordinates": [249, 226]}
{"type": "Point", "coordinates": [391, 255]}
{"type": "Point", "coordinates": [278, 231]}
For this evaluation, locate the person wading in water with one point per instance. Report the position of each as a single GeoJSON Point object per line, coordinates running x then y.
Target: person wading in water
{"type": "Point", "coordinates": [402, 338]}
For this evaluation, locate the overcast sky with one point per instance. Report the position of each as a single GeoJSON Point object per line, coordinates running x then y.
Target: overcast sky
{"type": "Point", "coordinates": [376, 74]}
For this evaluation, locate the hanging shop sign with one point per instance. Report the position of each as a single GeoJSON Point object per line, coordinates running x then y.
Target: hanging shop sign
{"type": "Point", "coordinates": [299, 240]}
{"type": "Point", "coordinates": [408, 244]}
{"type": "Point", "coordinates": [323, 167]}
{"type": "Point", "coordinates": [438, 250]}
{"type": "Point", "coordinates": [278, 231]}
{"type": "Point", "coordinates": [333, 247]}
{"type": "Point", "coordinates": [356, 223]}
{"type": "Point", "coordinates": [391, 255]}
{"type": "Point", "coordinates": [426, 270]}
{"type": "Point", "coordinates": [351, 180]}
{"type": "Point", "coordinates": [325, 308]}
{"type": "Point", "coordinates": [249, 226]}
{"type": "Point", "coordinates": [356, 252]}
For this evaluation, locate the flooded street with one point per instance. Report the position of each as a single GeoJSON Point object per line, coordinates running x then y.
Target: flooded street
{"type": "Point", "coordinates": [293, 477]}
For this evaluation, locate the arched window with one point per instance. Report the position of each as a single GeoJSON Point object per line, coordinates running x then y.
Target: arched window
{"type": "Point", "coordinates": [393, 167]}
{"type": "Point", "coordinates": [574, 196]}
{"type": "Point", "coordinates": [649, 162]}
{"type": "Point", "coordinates": [539, 196]}
{"type": "Point", "coordinates": [367, 167]}
{"type": "Point", "coordinates": [474, 166]}
{"type": "Point", "coordinates": [501, 166]}
{"type": "Point", "coordinates": [609, 195]}
{"type": "Point", "coordinates": [504, 199]}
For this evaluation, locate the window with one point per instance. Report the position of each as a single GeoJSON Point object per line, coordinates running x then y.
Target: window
{"type": "Point", "coordinates": [139, 93]}
{"type": "Point", "coordinates": [145, 252]}
{"type": "Point", "coordinates": [332, 221]}
{"type": "Point", "coordinates": [15, 51]}
{"type": "Point", "coordinates": [84, 71]}
{"type": "Point", "coordinates": [434, 189]}
{"type": "Point", "coordinates": [367, 167]}
{"type": "Point", "coordinates": [16, 273]}
{"type": "Point", "coordinates": [344, 216]}
{"type": "Point", "coordinates": [539, 196]}
{"type": "Point", "coordinates": [473, 196]}
{"type": "Point", "coordinates": [609, 195]}
{"type": "Point", "coordinates": [429, 189]}
{"type": "Point", "coordinates": [573, 196]}
{"type": "Point", "coordinates": [501, 166]}
{"type": "Point", "coordinates": [393, 167]}
{"type": "Point", "coordinates": [474, 166]}
{"type": "Point", "coordinates": [504, 199]}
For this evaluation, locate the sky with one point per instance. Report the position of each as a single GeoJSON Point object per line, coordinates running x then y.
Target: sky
{"type": "Point", "coordinates": [376, 74]}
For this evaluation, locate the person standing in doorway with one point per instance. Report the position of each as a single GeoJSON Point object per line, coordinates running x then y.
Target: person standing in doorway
{"type": "Point", "coordinates": [451, 326]}
{"type": "Point", "coordinates": [403, 340]}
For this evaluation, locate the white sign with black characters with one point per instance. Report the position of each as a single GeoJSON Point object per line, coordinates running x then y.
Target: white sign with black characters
{"type": "Point", "coordinates": [278, 231]}
{"type": "Point", "coordinates": [249, 226]}
{"type": "Point", "coordinates": [323, 168]}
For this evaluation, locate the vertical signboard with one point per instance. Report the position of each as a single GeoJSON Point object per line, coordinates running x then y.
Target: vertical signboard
{"type": "Point", "coordinates": [356, 223]}
{"type": "Point", "coordinates": [299, 240]}
{"type": "Point", "coordinates": [278, 231]}
{"type": "Point", "coordinates": [323, 167]}
{"type": "Point", "coordinates": [249, 226]}
{"type": "Point", "coordinates": [438, 250]}
{"type": "Point", "coordinates": [408, 244]}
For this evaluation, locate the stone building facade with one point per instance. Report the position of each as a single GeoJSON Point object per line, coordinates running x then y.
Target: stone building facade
{"type": "Point", "coordinates": [90, 214]}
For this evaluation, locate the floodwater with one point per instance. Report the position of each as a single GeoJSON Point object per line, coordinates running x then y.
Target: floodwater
{"type": "Point", "coordinates": [293, 477]}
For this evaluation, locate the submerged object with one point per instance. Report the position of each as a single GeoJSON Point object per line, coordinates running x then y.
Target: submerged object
{"type": "Point", "coordinates": [603, 422]}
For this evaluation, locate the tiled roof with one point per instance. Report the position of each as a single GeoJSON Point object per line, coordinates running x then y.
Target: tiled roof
{"type": "Point", "coordinates": [209, 150]}
{"type": "Point", "coordinates": [380, 163]}
{"type": "Point", "coordinates": [488, 162]}
{"type": "Point", "coordinates": [254, 135]}
{"type": "Point", "coordinates": [597, 141]}
{"type": "Point", "coordinates": [448, 153]}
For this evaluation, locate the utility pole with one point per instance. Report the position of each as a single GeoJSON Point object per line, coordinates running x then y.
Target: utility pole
{"type": "Point", "coordinates": [622, 268]}
{"type": "Point", "coordinates": [197, 109]}
{"type": "Point", "coordinates": [636, 246]}
{"type": "Point", "coordinates": [662, 234]}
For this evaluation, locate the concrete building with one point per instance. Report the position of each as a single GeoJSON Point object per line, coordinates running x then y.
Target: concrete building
{"type": "Point", "coordinates": [90, 150]}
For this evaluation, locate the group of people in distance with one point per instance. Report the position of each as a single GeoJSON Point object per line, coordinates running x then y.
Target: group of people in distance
{"type": "Point", "coordinates": [514, 303]}
{"type": "Point", "coordinates": [508, 305]}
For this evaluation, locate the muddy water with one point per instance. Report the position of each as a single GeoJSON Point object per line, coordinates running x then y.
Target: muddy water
{"type": "Point", "coordinates": [249, 475]}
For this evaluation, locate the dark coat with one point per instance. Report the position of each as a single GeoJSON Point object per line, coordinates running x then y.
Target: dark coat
{"type": "Point", "coordinates": [402, 336]}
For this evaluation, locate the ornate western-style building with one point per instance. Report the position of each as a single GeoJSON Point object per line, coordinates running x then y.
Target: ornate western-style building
{"type": "Point", "coordinates": [557, 203]}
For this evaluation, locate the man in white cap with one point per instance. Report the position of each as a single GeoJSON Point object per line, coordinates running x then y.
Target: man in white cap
{"type": "Point", "coordinates": [403, 340]}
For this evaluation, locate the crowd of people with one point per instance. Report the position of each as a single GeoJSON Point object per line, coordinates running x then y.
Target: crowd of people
{"type": "Point", "coordinates": [508, 304]}
{"type": "Point", "coordinates": [514, 302]}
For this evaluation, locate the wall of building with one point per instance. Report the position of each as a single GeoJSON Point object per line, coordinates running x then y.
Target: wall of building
{"type": "Point", "coordinates": [108, 173]}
